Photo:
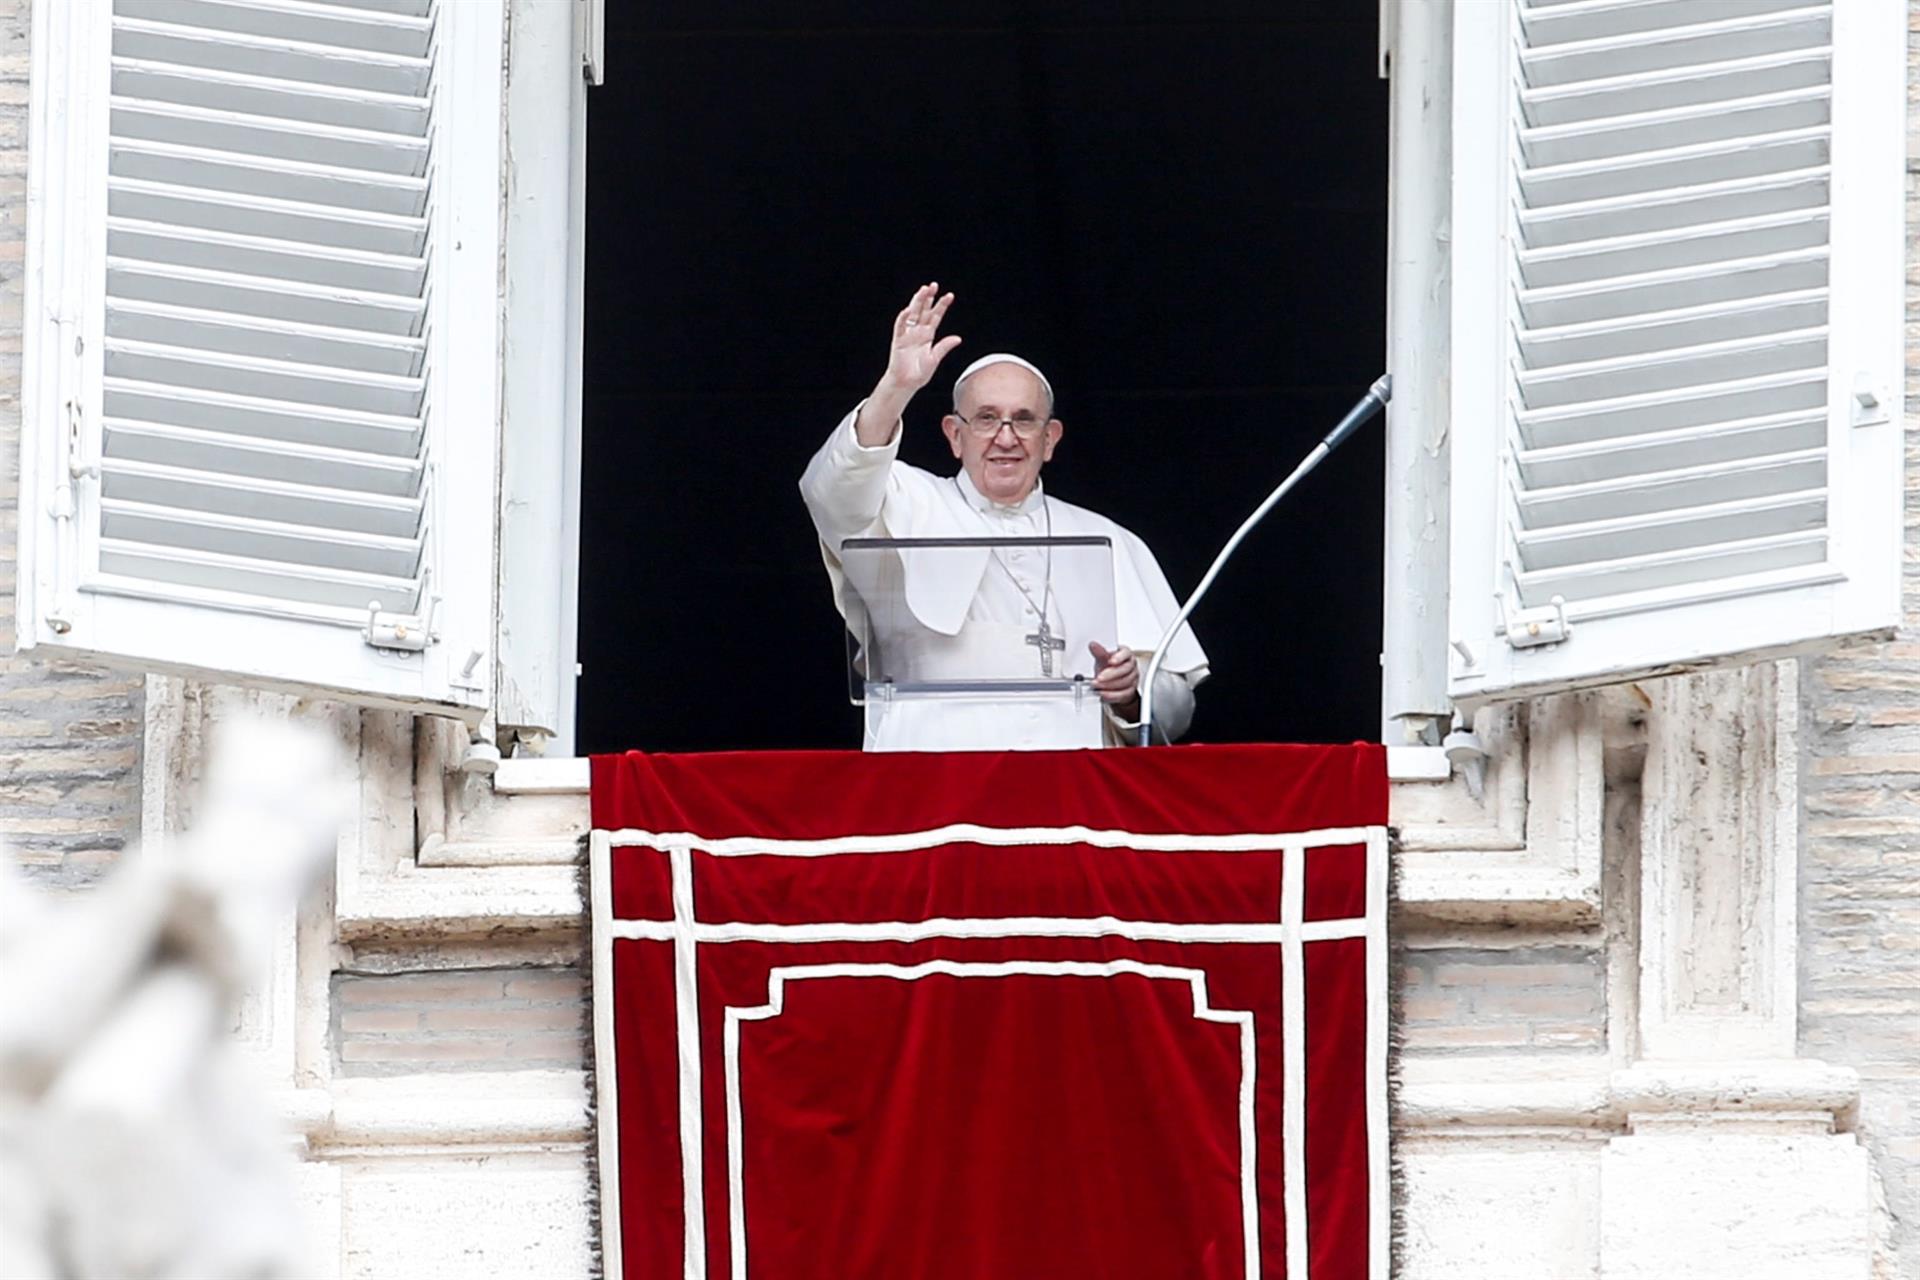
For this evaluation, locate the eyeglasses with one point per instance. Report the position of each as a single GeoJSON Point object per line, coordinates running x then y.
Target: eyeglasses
{"type": "Point", "coordinates": [987, 425]}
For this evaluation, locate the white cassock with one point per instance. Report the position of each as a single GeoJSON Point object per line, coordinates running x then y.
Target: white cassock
{"type": "Point", "coordinates": [970, 607]}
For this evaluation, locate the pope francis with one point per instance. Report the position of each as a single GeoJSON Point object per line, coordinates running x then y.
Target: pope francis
{"type": "Point", "coordinates": [1003, 431]}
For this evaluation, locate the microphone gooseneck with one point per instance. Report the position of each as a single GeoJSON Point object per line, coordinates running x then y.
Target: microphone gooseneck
{"type": "Point", "coordinates": [1369, 404]}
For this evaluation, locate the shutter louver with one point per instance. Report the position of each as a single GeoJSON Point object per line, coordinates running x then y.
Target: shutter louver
{"type": "Point", "coordinates": [1660, 395]}
{"type": "Point", "coordinates": [1662, 164]}
{"type": "Point", "coordinates": [281, 222]}
{"type": "Point", "coordinates": [264, 404]}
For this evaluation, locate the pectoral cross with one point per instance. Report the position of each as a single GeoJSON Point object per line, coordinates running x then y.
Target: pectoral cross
{"type": "Point", "coordinates": [1048, 644]}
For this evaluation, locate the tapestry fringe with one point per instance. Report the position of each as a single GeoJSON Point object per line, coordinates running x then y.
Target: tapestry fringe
{"type": "Point", "coordinates": [583, 879]}
{"type": "Point", "coordinates": [1396, 1042]}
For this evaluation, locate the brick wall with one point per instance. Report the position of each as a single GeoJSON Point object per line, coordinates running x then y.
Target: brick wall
{"type": "Point", "coordinates": [1860, 837]}
{"type": "Point", "coordinates": [1461, 1000]}
{"type": "Point", "coordinates": [69, 734]}
{"type": "Point", "coordinates": [458, 1020]}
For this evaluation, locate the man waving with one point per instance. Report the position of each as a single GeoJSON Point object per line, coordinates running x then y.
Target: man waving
{"type": "Point", "coordinates": [1003, 431]}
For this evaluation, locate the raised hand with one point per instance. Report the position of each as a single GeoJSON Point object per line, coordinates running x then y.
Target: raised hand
{"type": "Point", "coordinates": [1116, 677]}
{"type": "Point", "coordinates": [917, 347]}
{"type": "Point", "coordinates": [914, 354]}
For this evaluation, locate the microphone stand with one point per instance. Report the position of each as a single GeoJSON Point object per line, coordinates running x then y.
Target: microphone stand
{"type": "Point", "coordinates": [1371, 403]}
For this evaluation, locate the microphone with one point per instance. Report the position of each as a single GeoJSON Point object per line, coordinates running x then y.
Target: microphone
{"type": "Point", "coordinates": [1369, 404]}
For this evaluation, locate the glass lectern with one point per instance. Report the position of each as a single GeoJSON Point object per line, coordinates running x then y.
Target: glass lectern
{"type": "Point", "coordinates": [977, 644]}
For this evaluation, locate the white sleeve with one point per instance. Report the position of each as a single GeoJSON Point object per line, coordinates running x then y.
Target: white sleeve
{"type": "Point", "coordinates": [1172, 711]}
{"type": "Point", "coordinates": [845, 484]}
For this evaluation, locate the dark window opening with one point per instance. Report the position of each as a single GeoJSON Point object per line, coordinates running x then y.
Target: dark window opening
{"type": "Point", "coordinates": [1178, 213]}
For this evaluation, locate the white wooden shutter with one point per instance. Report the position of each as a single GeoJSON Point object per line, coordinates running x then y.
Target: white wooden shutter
{"type": "Point", "coordinates": [260, 416]}
{"type": "Point", "coordinates": [1677, 334]}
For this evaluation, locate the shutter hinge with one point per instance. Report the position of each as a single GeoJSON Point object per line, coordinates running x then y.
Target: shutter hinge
{"type": "Point", "coordinates": [592, 29]}
{"type": "Point", "coordinates": [61, 508]}
{"type": "Point", "coordinates": [78, 467]}
{"type": "Point", "coordinates": [406, 632]}
{"type": "Point", "coordinates": [74, 467]}
{"type": "Point", "coordinates": [63, 505]}
{"type": "Point", "coordinates": [1531, 628]}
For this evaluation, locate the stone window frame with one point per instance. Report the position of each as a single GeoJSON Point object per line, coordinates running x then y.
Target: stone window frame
{"type": "Point", "coordinates": [482, 857]}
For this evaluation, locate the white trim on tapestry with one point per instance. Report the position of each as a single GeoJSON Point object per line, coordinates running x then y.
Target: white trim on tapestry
{"type": "Point", "coordinates": [995, 927]}
{"type": "Point", "coordinates": [1196, 980]}
{"type": "Point", "coordinates": [686, 1013]}
{"type": "Point", "coordinates": [1291, 935]}
{"type": "Point", "coordinates": [973, 833]}
{"type": "Point", "coordinates": [1293, 1061]}
{"type": "Point", "coordinates": [736, 1151]}
{"type": "Point", "coordinates": [1379, 1175]}
{"type": "Point", "coordinates": [606, 1079]}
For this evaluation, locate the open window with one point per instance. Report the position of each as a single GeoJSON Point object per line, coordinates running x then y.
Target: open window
{"type": "Point", "coordinates": [1177, 211]}
{"type": "Point", "coordinates": [262, 336]}
{"type": "Point", "coordinates": [1677, 336]}
{"type": "Point", "coordinates": [287, 419]}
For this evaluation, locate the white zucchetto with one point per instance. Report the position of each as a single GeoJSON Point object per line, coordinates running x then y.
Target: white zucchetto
{"type": "Point", "coordinates": [1003, 357]}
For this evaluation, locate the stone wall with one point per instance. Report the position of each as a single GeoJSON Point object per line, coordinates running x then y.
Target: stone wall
{"type": "Point", "coordinates": [1462, 999]}
{"type": "Point", "coordinates": [1860, 836]}
{"type": "Point", "coordinates": [69, 734]}
{"type": "Point", "coordinates": [458, 1020]}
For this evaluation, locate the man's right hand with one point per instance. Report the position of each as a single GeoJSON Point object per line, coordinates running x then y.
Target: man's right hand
{"type": "Point", "coordinates": [916, 352]}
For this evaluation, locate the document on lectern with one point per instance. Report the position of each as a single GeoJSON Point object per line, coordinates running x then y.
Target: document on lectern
{"type": "Point", "coordinates": [978, 644]}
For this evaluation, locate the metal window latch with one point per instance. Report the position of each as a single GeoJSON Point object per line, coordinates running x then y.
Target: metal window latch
{"type": "Point", "coordinates": [406, 632]}
{"type": "Point", "coordinates": [1531, 628]}
{"type": "Point", "coordinates": [469, 675]}
{"type": "Point", "coordinates": [1869, 402]}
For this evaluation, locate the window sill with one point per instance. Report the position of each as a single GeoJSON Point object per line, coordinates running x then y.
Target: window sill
{"type": "Point", "coordinates": [569, 775]}
{"type": "Point", "coordinates": [1464, 858]}
{"type": "Point", "coordinates": [1418, 764]}
{"type": "Point", "coordinates": [562, 776]}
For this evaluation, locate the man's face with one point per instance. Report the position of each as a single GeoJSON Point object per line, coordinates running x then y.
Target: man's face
{"type": "Point", "coordinates": [1003, 466]}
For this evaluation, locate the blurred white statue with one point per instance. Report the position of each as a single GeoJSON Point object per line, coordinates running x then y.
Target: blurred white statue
{"type": "Point", "coordinates": [133, 1142]}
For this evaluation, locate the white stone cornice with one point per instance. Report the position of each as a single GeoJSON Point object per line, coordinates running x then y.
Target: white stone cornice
{"type": "Point", "coordinates": [1532, 1091]}
{"type": "Point", "coordinates": [451, 1114]}
{"type": "Point", "coordinates": [1453, 1094]}
{"type": "Point", "coordinates": [1782, 1087]}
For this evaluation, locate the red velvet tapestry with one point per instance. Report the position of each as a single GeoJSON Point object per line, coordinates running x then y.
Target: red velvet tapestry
{"type": "Point", "coordinates": [1021, 1016]}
